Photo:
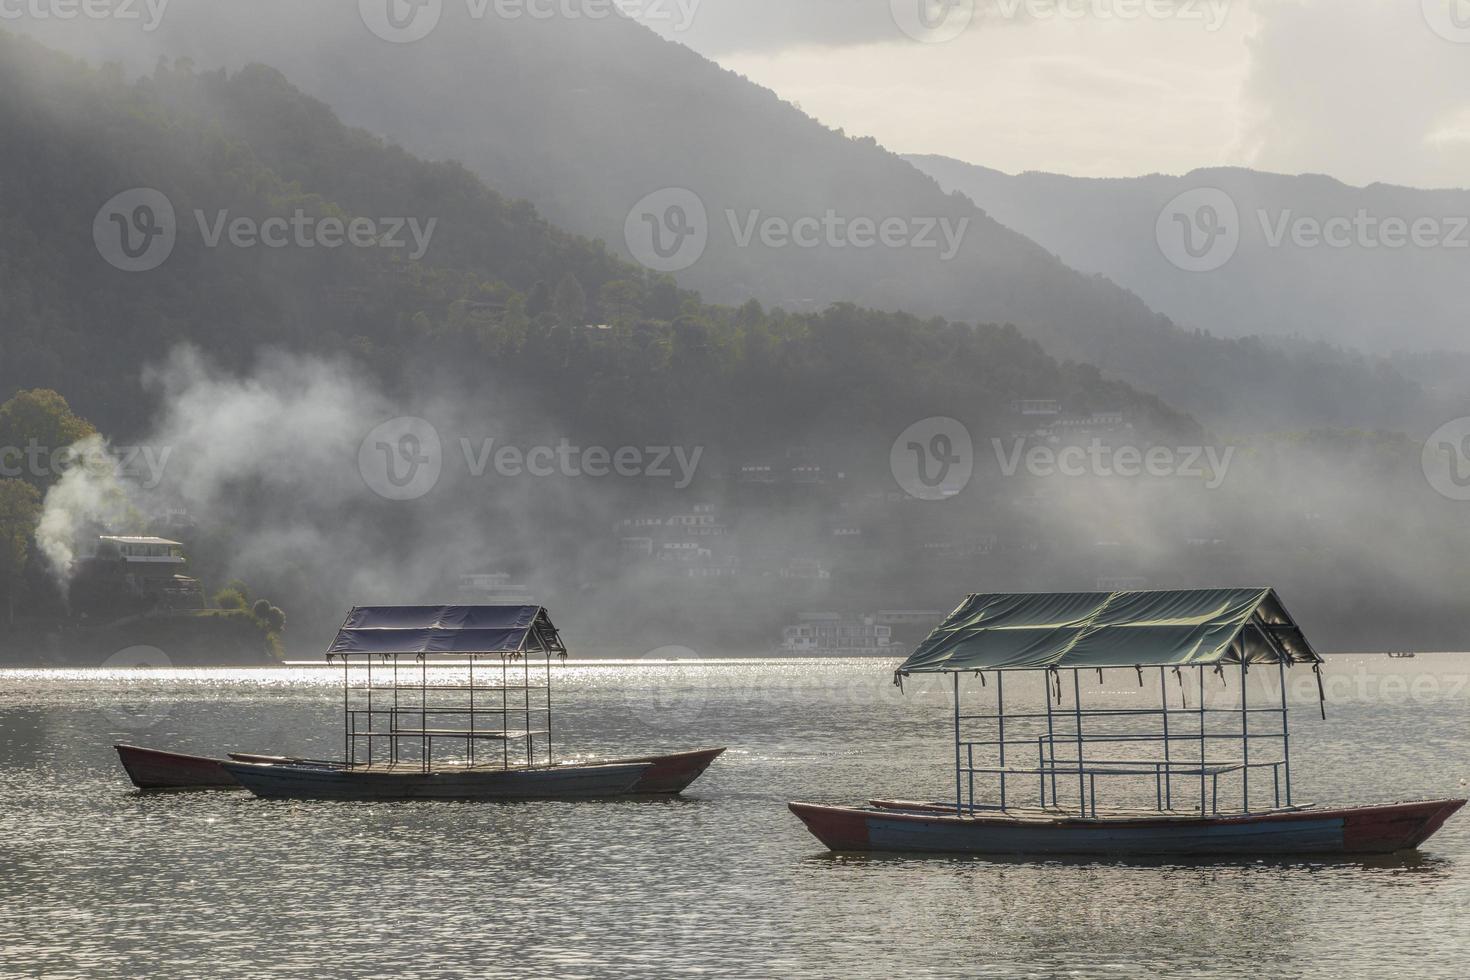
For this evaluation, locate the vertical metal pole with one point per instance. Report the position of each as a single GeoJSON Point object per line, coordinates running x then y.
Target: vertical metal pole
{"type": "Point", "coordinates": [393, 720]}
{"type": "Point", "coordinates": [428, 744]}
{"type": "Point", "coordinates": [347, 743]}
{"type": "Point", "coordinates": [369, 710]}
{"type": "Point", "coordinates": [504, 713]}
{"type": "Point", "coordinates": [1077, 714]}
{"type": "Point", "coordinates": [1201, 741]}
{"type": "Point", "coordinates": [1041, 769]}
{"type": "Point", "coordinates": [1000, 711]}
{"type": "Point", "coordinates": [1168, 767]}
{"type": "Point", "coordinates": [1051, 740]}
{"type": "Point", "coordinates": [1285, 731]}
{"type": "Point", "coordinates": [1245, 740]}
{"type": "Point", "coordinates": [526, 680]}
{"type": "Point", "coordinates": [549, 759]}
{"type": "Point", "coordinates": [958, 791]}
{"type": "Point", "coordinates": [470, 739]}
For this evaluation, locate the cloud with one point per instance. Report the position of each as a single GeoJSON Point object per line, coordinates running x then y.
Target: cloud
{"type": "Point", "coordinates": [1366, 92]}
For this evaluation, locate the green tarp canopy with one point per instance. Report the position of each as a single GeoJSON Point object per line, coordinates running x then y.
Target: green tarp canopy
{"type": "Point", "coordinates": [1187, 628]}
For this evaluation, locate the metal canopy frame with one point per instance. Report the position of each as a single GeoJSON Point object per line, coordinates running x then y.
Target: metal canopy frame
{"type": "Point", "coordinates": [418, 714]}
{"type": "Point", "coordinates": [1054, 760]}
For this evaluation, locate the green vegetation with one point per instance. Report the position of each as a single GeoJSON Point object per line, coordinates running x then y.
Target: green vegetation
{"type": "Point", "coordinates": [501, 296]}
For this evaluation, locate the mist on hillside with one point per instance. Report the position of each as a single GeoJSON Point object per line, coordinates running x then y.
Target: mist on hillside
{"type": "Point", "coordinates": [724, 446]}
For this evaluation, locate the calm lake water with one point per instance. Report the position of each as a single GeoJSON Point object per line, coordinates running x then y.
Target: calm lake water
{"type": "Point", "coordinates": [97, 880]}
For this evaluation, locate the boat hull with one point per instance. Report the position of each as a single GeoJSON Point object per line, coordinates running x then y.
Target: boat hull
{"type": "Point", "coordinates": [156, 769]}
{"type": "Point", "coordinates": [313, 782]}
{"type": "Point", "coordinates": [1378, 829]}
{"type": "Point", "coordinates": [666, 774]}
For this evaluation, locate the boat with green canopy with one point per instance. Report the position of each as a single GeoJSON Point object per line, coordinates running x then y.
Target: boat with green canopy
{"type": "Point", "coordinates": [1163, 766]}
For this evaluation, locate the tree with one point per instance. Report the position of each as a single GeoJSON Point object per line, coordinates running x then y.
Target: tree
{"type": "Point", "coordinates": [569, 302]}
{"type": "Point", "coordinates": [35, 426]}
{"type": "Point", "coordinates": [271, 616]}
{"type": "Point", "coordinates": [20, 505]}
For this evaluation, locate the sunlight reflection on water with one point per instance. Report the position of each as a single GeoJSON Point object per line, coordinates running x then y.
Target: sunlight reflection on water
{"type": "Point", "coordinates": [99, 881]}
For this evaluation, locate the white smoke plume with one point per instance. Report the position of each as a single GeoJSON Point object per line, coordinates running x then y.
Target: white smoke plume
{"type": "Point", "coordinates": [88, 494]}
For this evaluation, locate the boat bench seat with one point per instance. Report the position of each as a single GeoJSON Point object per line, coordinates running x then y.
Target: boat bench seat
{"type": "Point", "coordinates": [460, 733]}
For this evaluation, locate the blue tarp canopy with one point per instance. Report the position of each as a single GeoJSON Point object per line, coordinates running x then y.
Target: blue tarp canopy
{"type": "Point", "coordinates": [1185, 628]}
{"type": "Point", "coordinates": [447, 630]}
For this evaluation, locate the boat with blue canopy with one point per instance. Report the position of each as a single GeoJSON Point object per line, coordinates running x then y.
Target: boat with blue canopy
{"type": "Point", "coordinates": [1165, 766]}
{"type": "Point", "coordinates": [453, 702]}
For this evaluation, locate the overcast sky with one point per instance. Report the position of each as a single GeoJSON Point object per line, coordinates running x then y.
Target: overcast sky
{"type": "Point", "coordinates": [1364, 90]}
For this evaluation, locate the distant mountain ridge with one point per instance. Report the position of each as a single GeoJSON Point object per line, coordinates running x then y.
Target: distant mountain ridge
{"type": "Point", "coordinates": [1316, 258]}
{"type": "Point", "coordinates": [586, 118]}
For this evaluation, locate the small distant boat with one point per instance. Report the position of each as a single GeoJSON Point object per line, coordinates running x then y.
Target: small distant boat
{"type": "Point", "coordinates": [156, 769]}
{"type": "Point", "coordinates": [1401, 654]}
{"type": "Point", "coordinates": [1027, 781]}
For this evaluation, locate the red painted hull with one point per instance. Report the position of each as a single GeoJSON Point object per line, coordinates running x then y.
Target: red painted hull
{"type": "Point", "coordinates": [155, 769]}
{"type": "Point", "coordinates": [672, 773]}
{"type": "Point", "coordinates": [1378, 829]}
